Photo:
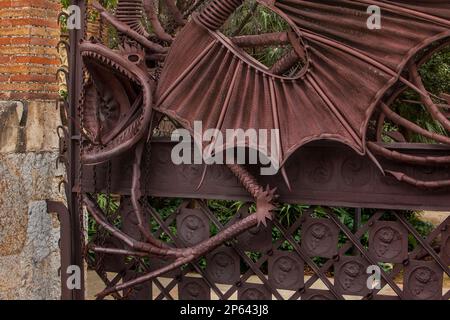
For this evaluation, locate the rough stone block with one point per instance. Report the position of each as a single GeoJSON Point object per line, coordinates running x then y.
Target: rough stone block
{"type": "Point", "coordinates": [33, 273]}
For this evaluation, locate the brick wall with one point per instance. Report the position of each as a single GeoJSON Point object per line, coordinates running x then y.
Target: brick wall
{"type": "Point", "coordinates": [29, 34]}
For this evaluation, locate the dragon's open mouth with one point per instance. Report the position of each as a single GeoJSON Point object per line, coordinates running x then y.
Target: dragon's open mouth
{"type": "Point", "coordinates": [115, 102]}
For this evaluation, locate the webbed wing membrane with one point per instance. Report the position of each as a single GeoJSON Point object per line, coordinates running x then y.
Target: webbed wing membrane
{"type": "Point", "coordinates": [349, 69]}
{"type": "Point", "coordinates": [434, 8]}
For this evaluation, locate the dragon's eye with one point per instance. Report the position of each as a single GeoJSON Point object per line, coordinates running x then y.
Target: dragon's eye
{"type": "Point", "coordinates": [134, 58]}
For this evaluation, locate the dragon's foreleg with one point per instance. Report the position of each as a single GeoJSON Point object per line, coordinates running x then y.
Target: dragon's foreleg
{"type": "Point", "coordinates": [264, 197]}
{"type": "Point", "coordinates": [264, 201]}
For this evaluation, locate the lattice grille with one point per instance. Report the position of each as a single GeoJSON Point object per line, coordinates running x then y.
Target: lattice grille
{"type": "Point", "coordinates": [326, 261]}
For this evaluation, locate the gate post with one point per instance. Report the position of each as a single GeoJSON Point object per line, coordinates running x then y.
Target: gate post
{"type": "Point", "coordinates": [29, 253]}
{"type": "Point", "coordinates": [74, 89]}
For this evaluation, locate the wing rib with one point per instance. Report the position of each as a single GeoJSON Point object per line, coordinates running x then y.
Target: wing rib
{"type": "Point", "coordinates": [411, 12]}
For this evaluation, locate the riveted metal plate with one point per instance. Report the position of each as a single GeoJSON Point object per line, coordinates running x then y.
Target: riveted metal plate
{"type": "Point", "coordinates": [388, 242]}
{"type": "Point", "coordinates": [286, 270]}
{"type": "Point", "coordinates": [193, 289]}
{"type": "Point", "coordinates": [223, 265]}
{"type": "Point", "coordinates": [423, 280]}
{"type": "Point", "coordinates": [320, 237]}
{"type": "Point", "coordinates": [257, 239]}
{"type": "Point", "coordinates": [250, 291]}
{"type": "Point", "coordinates": [192, 226]}
{"type": "Point", "coordinates": [350, 276]}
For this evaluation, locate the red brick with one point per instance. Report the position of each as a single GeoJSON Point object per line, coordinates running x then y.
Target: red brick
{"type": "Point", "coordinates": [32, 78]}
{"type": "Point", "coordinates": [49, 42]}
{"type": "Point", "coordinates": [36, 60]}
{"type": "Point", "coordinates": [29, 34]}
{"type": "Point", "coordinates": [44, 42]}
{"type": "Point", "coordinates": [28, 22]}
{"type": "Point", "coordinates": [4, 59]}
{"type": "Point", "coordinates": [30, 3]}
{"type": "Point", "coordinates": [4, 41]}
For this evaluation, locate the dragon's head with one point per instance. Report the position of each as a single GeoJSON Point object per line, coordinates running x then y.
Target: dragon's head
{"type": "Point", "coordinates": [116, 100]}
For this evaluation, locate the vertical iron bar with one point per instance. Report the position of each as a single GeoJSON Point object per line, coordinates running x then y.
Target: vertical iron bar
{"type": "Point", "coordinates": [356, 225]}
{"type": "Point", "coordinates": [65, 244]}
{"type": "Point", "coordinates": [74, 89]}
{"type": "Point", "coordinates": [357, 222]}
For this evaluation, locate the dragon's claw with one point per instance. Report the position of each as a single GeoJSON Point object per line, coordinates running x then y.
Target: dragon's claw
{"type": "Point", "coordinates": [265, 206]}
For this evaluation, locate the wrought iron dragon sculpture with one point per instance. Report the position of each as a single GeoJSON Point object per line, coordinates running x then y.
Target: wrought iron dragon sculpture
{"type": "Point", "coordinates": [338, 81]}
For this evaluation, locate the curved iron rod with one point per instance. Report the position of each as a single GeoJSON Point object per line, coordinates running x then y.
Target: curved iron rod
{"type": "Point", "coordinates": [194, 253]}
{"type": "Point", "coordinates": [149, 8]}
{"type": "Point", "coordinates": [136, 195]}
{"type": "Point", "coordinates": [60, 15]}
{"type": "Point", "coordinates": [264, 198]}
{"type": "Point", "coordinates": [426, 99]}
{"type": "Point", "coordinates": [175, 12]}
{"type": "Point", "coordinates": [156, 57]}
{"type": "Point", "coordinates": [126, 30]}
{"type": "Point", "coordinates": [401, 157]}
{"type": "Point", "coordinates": [95, 212]}
{"type": "Point", "coordinates": [66, 46]}
{"type": "Point", "coordinates": [403, 177]}
{"type": "Point", "coordinates": [396, 118]}
{"type": "Point", "coordinates": [266, 39]}
{"type": "Point", "coordinates": [285, 63]}
{"type": "Point", "coordinates": [118, 251]}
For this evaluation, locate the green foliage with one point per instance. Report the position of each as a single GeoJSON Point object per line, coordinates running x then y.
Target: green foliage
{"type": "Point", "coordinates": [165, 207]}
{"type": "Point", "coordinates": [106, 3]}
{"type": "Point", "coordinates": [262, 20]}
{"type": "Point", "coordinates": [436, 77]}
{"type": "Point", "coordinates": [107, 203]}
{"type": "Point", "coordinates": [436, 72]}
{"type": "Point", "coordinates": [63, 94]}
{"type": "Point", "coordinates": [65, 3]}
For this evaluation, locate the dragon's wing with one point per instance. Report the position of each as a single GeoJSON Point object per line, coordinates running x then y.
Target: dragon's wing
{"type": "Point", "coordinates": [349, 69]}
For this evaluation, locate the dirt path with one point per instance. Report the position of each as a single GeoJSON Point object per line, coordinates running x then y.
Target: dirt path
{"type": "Point", "coordinates": [434, 217]}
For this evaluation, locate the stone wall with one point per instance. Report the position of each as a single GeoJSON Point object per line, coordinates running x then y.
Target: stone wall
{"type": "Point", "coordinates": [29, 253]}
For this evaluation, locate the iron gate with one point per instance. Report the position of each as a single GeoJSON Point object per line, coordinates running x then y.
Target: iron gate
{"type": "Point", "coordinates": [167, 238]}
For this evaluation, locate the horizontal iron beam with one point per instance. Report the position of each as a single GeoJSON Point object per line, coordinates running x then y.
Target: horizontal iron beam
{"type": "Point", "coordinates": [321, 173]}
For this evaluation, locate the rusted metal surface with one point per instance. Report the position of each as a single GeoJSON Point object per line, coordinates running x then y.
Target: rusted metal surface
{"type": "Point", "coordinates": [320, 173]}
{"type": "Point", "coordinates": [65, 245]}
{"type": "Point", "coordinates": [421, 269]}
{"type": "Point", "coordinates": [324, 89]}
{"type": "Point", "coordinates": [74, 86]}
{"type": "Point", "coordinates": [389, 242]}
{"type": "Point", "coordinates": [345, 91]}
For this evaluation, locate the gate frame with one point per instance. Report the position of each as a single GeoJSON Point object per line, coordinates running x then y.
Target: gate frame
{"type": "Point", "coordinates": [74, 237]}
